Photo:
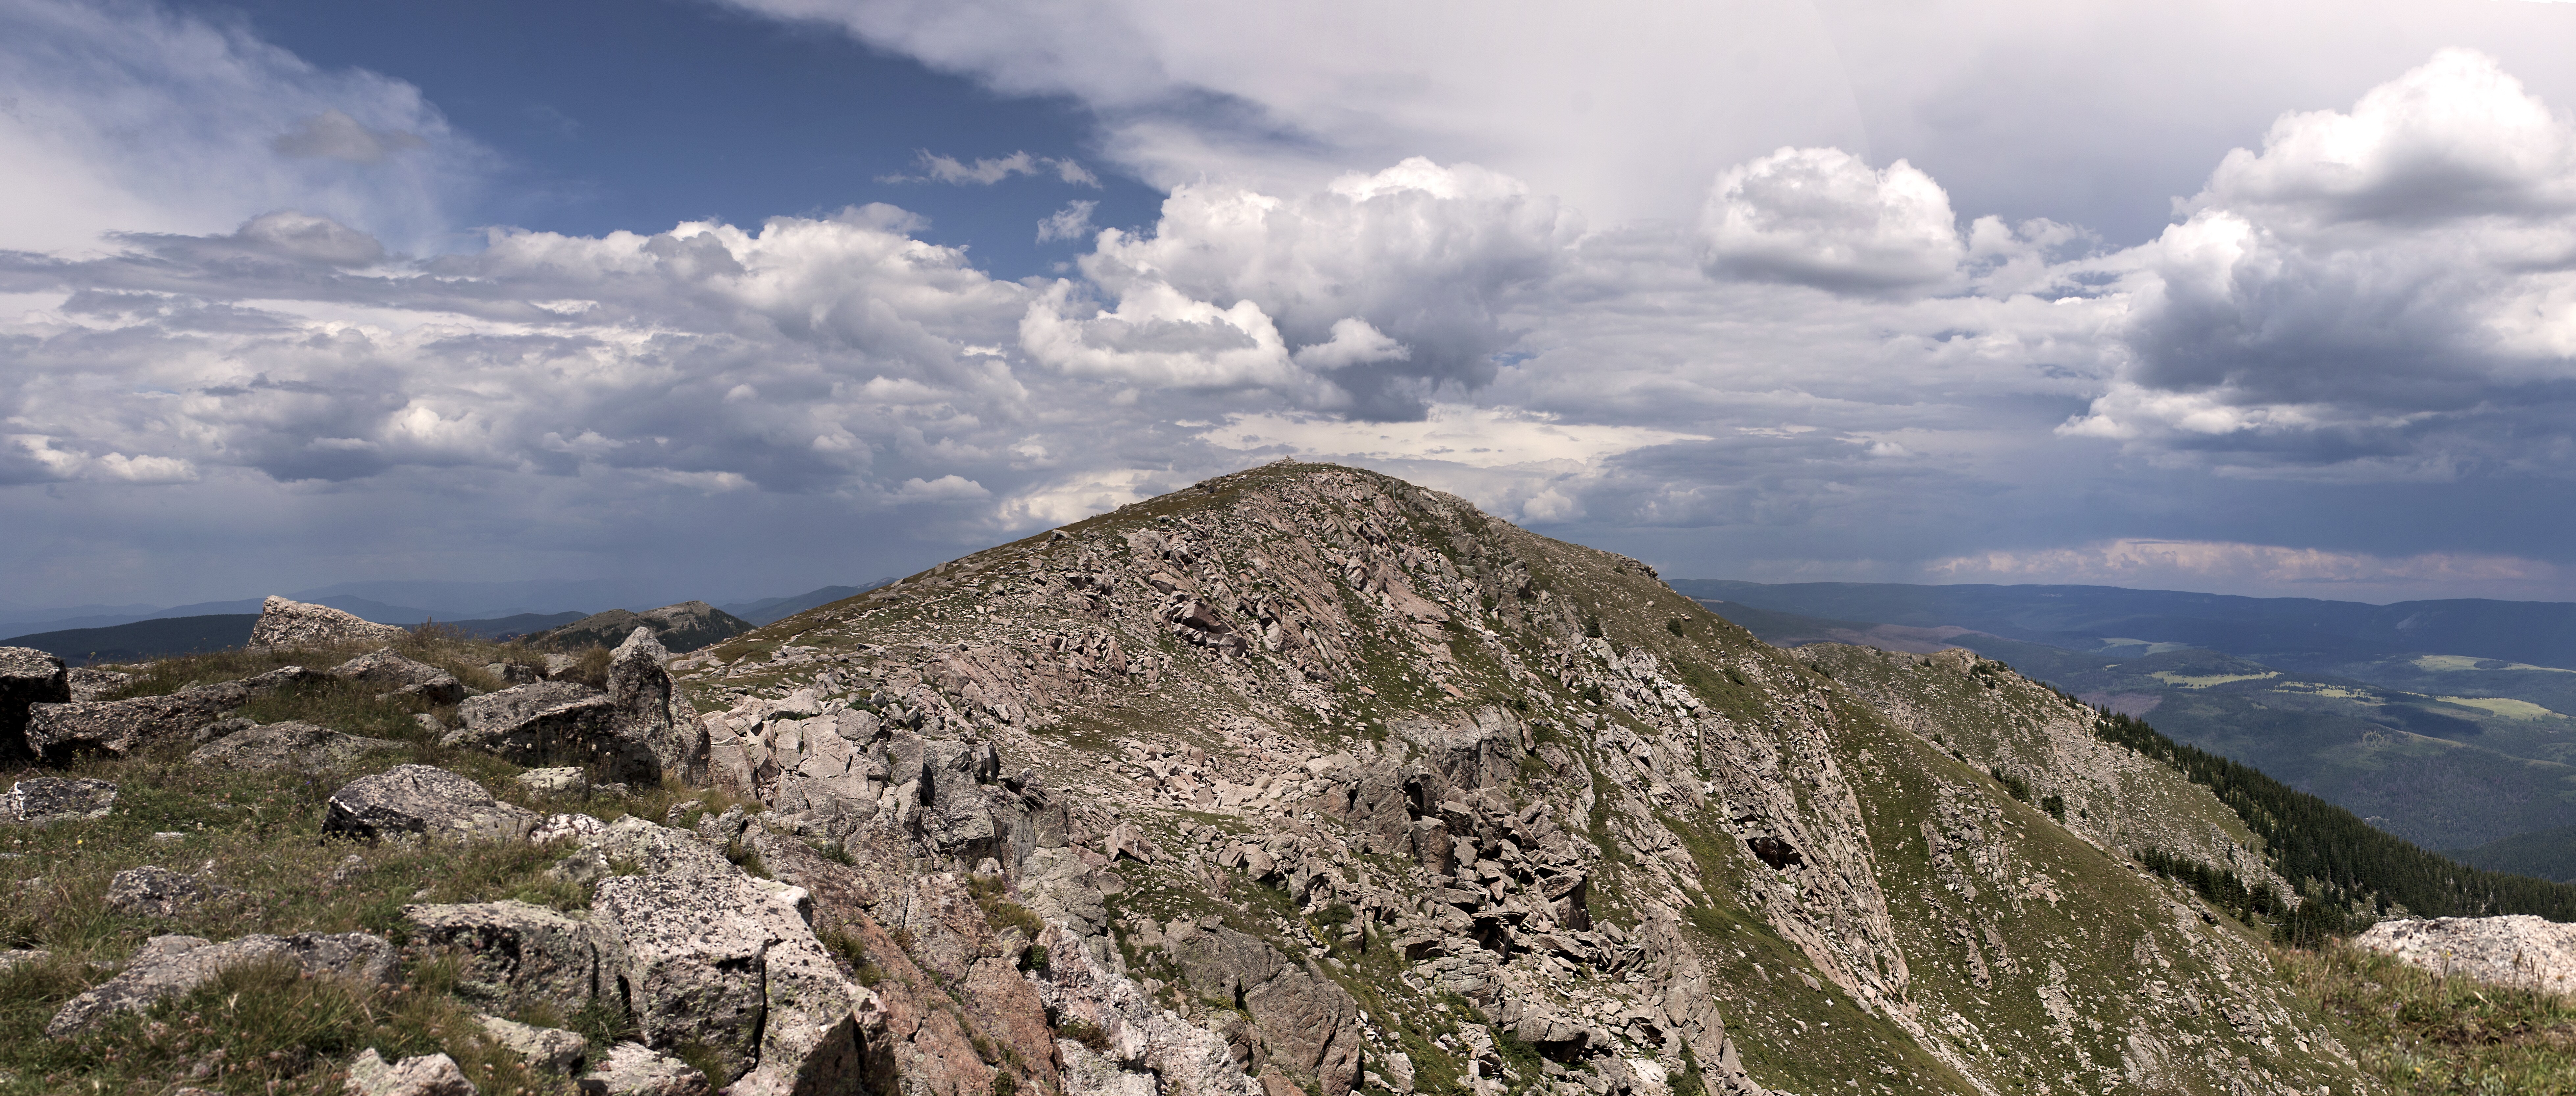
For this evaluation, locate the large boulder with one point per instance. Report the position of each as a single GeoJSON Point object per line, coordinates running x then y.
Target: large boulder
{"type": "Point", "coordinates": [402, 676]}
{"type": "Point", "coordinates": [56, 799]}
{"type": "Point", "coordinates": [419, 801]}
{"type": "Point", "coordinates": [1308, 1023]}
{"type": "Point", "coordinates": [121, 727]}
{"type": "Point", "coordinates": [555, 723]}
{"type": "Point", "coordinates": [287, 745]}
{"type": "Point", "coordinates": [702, 953]}
{"type": "Point", "coordinates": [641, 695]}
{"type": "Point", "coordinates": [2513, 950]}
{"type": "Point", "coordinates": [27, 676]}
{"type": "Point", "coordinates": [512, 951]}
{"type": "Point", "coordinates": [284, 623]}
{"type": "Point", "coordinates": [166, 966]}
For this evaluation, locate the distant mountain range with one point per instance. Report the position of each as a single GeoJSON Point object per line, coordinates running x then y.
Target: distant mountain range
{"type": "Point", "coordinates": [479, 607]}
{"type": "Point", "coordinates": [210, 626]}
{"type": "Point", "coordinates": [2445, 722]}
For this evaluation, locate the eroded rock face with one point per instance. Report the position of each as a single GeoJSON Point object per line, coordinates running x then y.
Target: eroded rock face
{"type": "Point", "coordinates": [56, 799]}
{"type": "Point", "coordinates": [289, 744]}
{"type": "Point", "coordinates": [551, 723]}
{"type": "Point", "coordinates": [27, 676]}
{"type": "Point", "coordinates": [2516, 950]}
{"type": "Point", "coordinates": [284, 623]}
{"type": "Point", "coordinates": [513, 951]}
{"type": "Point", "coordinates": [1307, 1023]}
{"type": "Point", "coordinates": [402, 676]}
{"type": "Point", "coordinates": [422, 802]}
{"type": "Point", "coordinates": [166, 966]}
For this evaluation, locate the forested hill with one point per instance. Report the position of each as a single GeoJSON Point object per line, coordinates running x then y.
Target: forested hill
{"type": "Point", "coordinates": [2311, 840]}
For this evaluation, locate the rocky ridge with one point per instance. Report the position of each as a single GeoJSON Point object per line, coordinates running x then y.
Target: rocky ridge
{"type": "Point", "coordinates": [1376, 793]}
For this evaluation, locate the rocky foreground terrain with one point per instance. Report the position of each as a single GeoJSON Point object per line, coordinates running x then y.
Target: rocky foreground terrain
{"type": "Point", "coordinates": [1303, 780]}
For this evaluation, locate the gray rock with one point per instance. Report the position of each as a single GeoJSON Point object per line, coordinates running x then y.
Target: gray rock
{"type": "Point", "coordinates": [554, 723]}
{"type": "Point", "coordinates": [547, 1050]}
{"type": "Point", "coordinates": [641, 691]}
{"type": "Point", "coordinates": [27, 676]}
{"type": "Point", "coordinates": [556, 780]}
{"type": "Point", "coordinates": [427, 1075]}
{"type": "Point", "coordinates": [284, 623]}
{"type": "Point", "coordinates": [157, 892]}
{"type": "Point", "coordinates": [730, 962]}
{"type": "Point", "coordinates": [632, 1069]}
{"type": "Point", "coordinates": [1310, 1024]}
{"type": "Point", "coordinates": [424, 802]}
{"type": "Point", "coordinates": [2514, 950]}
{"type": "Point", "coordinates": [515, 673]}
{"type": "Point", "coordinates": [402, 676]}
{"type": "Point", "coordinates": [512, 950]}
{"type": "Point", "coordinates": [56, 799]}
{"type": "Point", "coordinates": [10, 959]}
{"type": "Point", "coordinates": [91, 683]}
{"type": "Point", "coordinates": [121, 727]}
{"type": "Point", "coordinates": [166, 966]}
{"type": "Point", "coordinates": [287, 745]}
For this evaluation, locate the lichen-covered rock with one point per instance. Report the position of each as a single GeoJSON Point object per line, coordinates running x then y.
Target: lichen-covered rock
{"type": "Point", "coordinates": [553, 723]}
{"type": "Point", "coordinates": [402, 676]}
{"type": "Point", "coordinates": [512, 951]}
{"type": "Point", "coordinates": [151, 891]}
{"type": "Point", "coordinates": [120, 727]}
{"type": "Point", "coordinates": [419, 801]}
{"type": "Point", "coordinates": [289, 744]}
{"type": "Point", "coordinates": [166, 966]}
{"type": "Point", "coordinates": [426, 1075]}
{"type": "Point", "coordinates": [639, 690]}
{"type": "Point", "coordinates": [548, 1050]}
{"type": "Point", "coordinates": [633, 1069]}
{"type": "Point", "coordinates": [92, 682]}
{"type": "Point", "coordinates": [2516, 950]}
{"type": "Point", "coordinates": [27, 676]}
{"type": "Point", "coordinates": [57, 799]}
{"type": "Point", "coordinates": [284, 623]}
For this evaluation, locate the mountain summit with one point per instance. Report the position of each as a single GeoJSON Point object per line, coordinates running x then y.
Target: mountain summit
{"type": "Point", "coordinates": [1308, 779]}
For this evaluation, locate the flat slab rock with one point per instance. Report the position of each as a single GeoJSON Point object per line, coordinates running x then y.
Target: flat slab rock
{"type": "Point", "coordinates": [57, 799]}
{"type": "Point", "coordinates": [512, 950]}
{"type": "Point", "coordinates": [122, 727]}
{"type": "Point", "coordinates": [289, 744]}
{"type": "Point", "coordinates": [2514, 950]}
{"type": "Point", "coordinates": [167, 966]}
{"type": "Point", "coordinates": [424, 802]}
{"type": "Point", "coordinates": [284, 623]}
{"type": "Point", "coordinates": [150, 891]}
{"type": "Point", "coordinates": [402, 676]}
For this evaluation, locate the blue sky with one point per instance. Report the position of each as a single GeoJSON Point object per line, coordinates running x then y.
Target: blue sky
{"type": "Point", "coordinates": [674, 111]}
{"type": "Point", "coordinates": [737, 299]}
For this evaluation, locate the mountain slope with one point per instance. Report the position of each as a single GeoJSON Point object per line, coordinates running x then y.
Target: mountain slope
{"type": "Point", "coordinates": [1502, 813]}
